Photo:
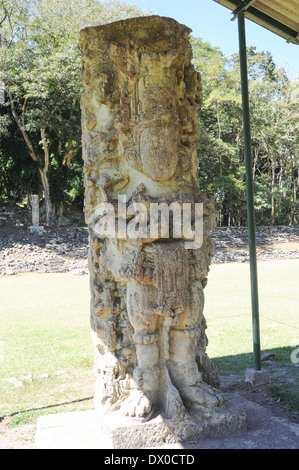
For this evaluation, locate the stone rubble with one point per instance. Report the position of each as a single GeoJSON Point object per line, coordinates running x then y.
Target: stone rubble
{"type": "Point", "coordinates": [23, 379]}
{"type": "Point", "coordinates": [59, 249]}
{"type": "Point", "coordinates": [65, 249]}
{"type": "Point", "coordinates": [231, 243]}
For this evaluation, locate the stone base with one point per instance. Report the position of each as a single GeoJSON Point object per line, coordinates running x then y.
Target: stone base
{"type": "Point", "coordinates": [36, 229]}
{"type": "Point", "coordinates": [257, 377]}
{"type": "Point", "coordinates": [126, 433]}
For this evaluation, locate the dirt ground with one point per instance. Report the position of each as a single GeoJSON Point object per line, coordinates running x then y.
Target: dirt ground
{"type": "Point", "coordinates": [20, 437]}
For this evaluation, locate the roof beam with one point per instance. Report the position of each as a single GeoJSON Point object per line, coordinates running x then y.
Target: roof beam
{"type": "Point", "coordinates": [261, 18]}
{"type": "Point", "coordinates": [242, 7]}
{"type": "Point", "coordinates": [291, 33]}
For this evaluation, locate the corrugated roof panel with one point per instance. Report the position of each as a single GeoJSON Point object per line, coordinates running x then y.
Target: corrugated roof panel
{"type": "Point", "coordinates": [279, 16]}
{"type": "Point", "coordinates": [285, 11]}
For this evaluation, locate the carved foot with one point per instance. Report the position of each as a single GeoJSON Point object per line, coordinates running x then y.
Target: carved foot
{"type": "Point", "coordinates": [195, 393]}
{"type": "Point", "coordinates": [201, 396]}
{"type": "Point", "coordinates": [138, 405]}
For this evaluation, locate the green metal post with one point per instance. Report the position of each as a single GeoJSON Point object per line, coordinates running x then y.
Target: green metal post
{"type": "Point", "coordinates": [250, 193]}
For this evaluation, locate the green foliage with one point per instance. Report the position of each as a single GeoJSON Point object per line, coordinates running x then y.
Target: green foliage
{"type": "Point", "coordinates": [274, 128]}
{"type": "Point", "coordinates": [287, 395]}
{"type": "Point", "coordinates": [40, 122]}
{"type": "Point", "coordinates": [18, 174]}
{"type": "Point", "coordinates": [40, 65]}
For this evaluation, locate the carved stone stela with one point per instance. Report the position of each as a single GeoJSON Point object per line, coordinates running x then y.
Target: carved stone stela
{"type": "Point", "coordinates": [140, 140]}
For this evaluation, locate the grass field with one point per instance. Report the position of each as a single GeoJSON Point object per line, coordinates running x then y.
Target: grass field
{"type": "Point", "coordinates": [228, 307]}
{"type": "Point", "coordinates": [45, 338]}
{"type": "Point", "coordinates": [44, 332]}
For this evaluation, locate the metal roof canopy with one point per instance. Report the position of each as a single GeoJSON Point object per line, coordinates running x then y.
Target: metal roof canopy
{"type": "Point", "coordinates": [279, 16]}
{"type": "Point", "coordinates": [282, 18]}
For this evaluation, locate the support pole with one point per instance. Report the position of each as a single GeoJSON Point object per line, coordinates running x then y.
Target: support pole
{"type": "Point", "coordinates": [250, 193]}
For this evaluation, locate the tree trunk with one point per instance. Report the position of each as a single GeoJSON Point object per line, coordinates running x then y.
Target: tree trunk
{"type": "Point", "coordinates": [295, 185]}
{"type": "Point", "coordinates": [43, 172]}
{"type": "Point", "coordinates": [44, 178]}
{"type": "Point", "coordinates": [272, 194]}
{"type": "Point", "coordinates": [46, 188]}
{"type": "Point", "coordinates": [57, 214]}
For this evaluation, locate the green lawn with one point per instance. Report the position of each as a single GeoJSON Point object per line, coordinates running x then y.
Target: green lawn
{"type": "Point", "coordinates": [228, 307]}
{"type": "Point", "coordinates": [44, 322]}
{"type": "Point", "coordinates": [44, 329]}
{"type": "Point", "coordinates": [228, 315]}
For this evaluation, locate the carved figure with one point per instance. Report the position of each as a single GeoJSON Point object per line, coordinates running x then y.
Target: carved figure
{"type": "Point", "coordinates": [140, 140]}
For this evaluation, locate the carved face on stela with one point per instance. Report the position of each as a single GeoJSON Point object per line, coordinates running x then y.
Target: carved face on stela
{"type": "Point", "coordinates": [159, 126]}
{"type": "Point", "coordinates": [154, 114]}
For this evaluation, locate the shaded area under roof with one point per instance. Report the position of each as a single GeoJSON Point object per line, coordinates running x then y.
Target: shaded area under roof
{"type": "Point", "coordinates": [279, 16]}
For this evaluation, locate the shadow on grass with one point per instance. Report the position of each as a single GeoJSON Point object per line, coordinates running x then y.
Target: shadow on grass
{"type": "Point", "coordinates": [279, 362]}
{"type": "Point", "coordinates": [278, 357]}
{"type": "Point", "coordinates": [15, 413]}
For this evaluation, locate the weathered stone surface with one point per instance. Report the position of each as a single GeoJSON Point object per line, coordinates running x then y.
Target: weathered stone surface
{"type": "Point", "coordinates": [35, 209]}
{"type": "Point", "coordinates": [14, 381]}
{"type": "Point", "coordinates": [257, 377]}
{"type": "Point", "coordinates": [140, 141]}
{"type": "Point", "coordinates": [124, 433]}
{"type": "Point", "coordinates": [35, 227]}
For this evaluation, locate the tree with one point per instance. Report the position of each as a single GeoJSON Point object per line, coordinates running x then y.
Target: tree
{"type": "Point", "coordinates": [221, 169]}
{"type": "Point", "coordinates": [40, 64]}
{"type": "Point", "coordinates": [274, 116]}
{"type": "Point", "coordinates": [274, 128]}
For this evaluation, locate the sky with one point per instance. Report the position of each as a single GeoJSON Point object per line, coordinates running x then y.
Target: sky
{"type": "Point", "coordinates": [211, 22]}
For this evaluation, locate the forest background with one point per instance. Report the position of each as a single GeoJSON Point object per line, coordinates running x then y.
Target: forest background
{"type": "Point", "coordinates": [40, 117]}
